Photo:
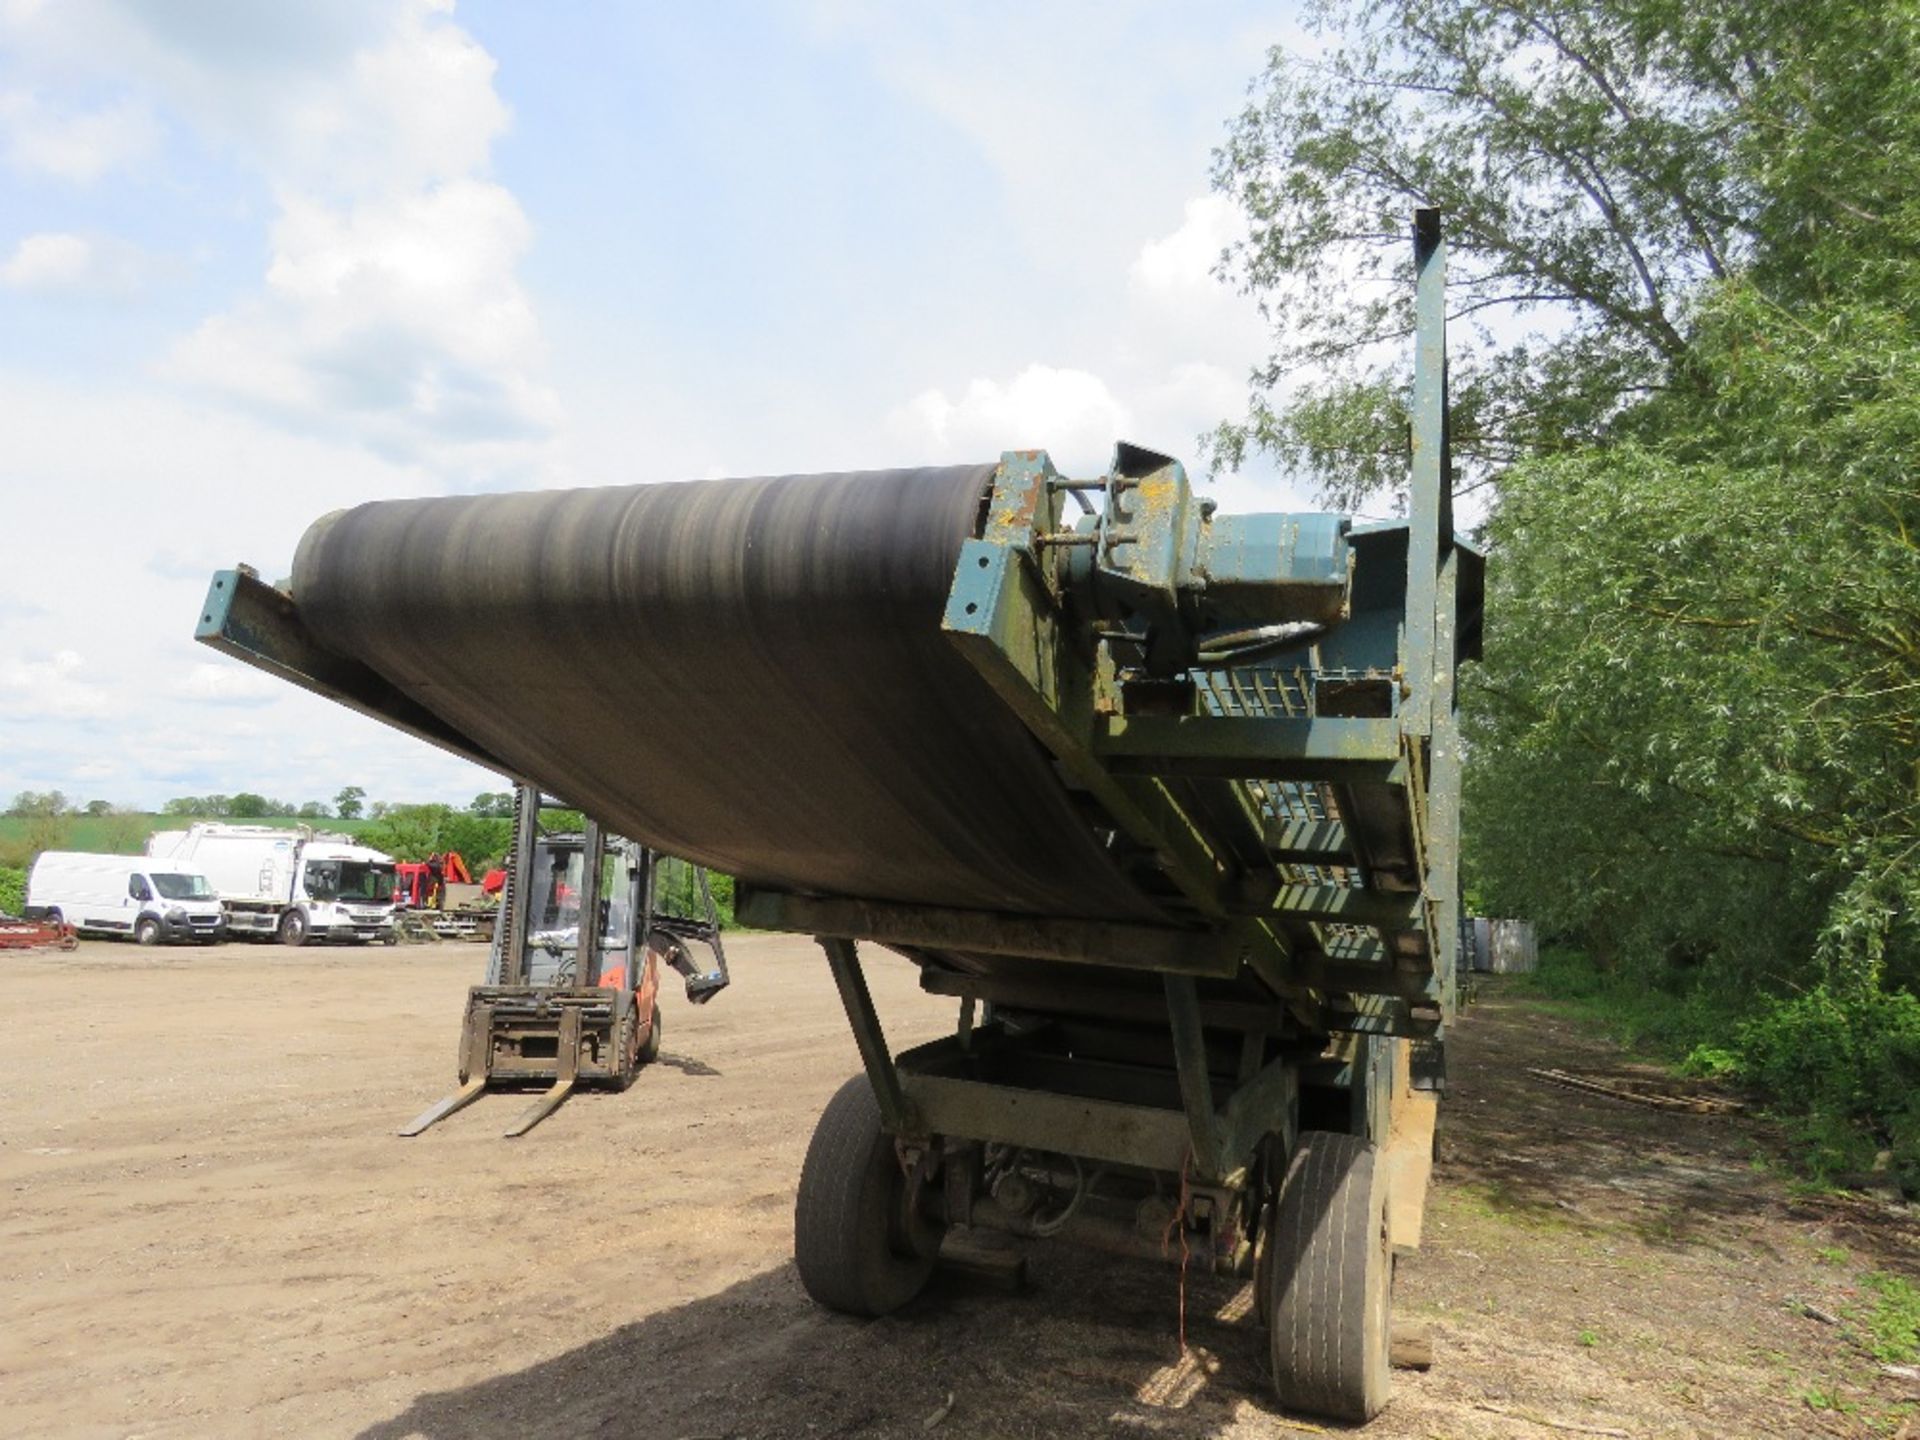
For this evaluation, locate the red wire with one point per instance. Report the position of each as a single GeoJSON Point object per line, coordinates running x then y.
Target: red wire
{"type": "Point", "coordinates": [1166, 1238]}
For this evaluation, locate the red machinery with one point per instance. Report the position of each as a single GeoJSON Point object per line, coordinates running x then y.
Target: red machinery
{"type": "Point", "coordinates": [35, 935]}
{"type": "Point", "coordinates": [420, 883]}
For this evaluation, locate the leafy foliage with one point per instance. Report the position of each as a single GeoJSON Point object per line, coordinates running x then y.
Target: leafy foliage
{"type": "Point", "coordinates": [413, 832]}
{"type": "Point", "coordinates": [1600, 162]}
{"type": "Point", "coordinates": [1853, 1059]}
{"type": "Point", "coordinates": [1695, 740]}
{"type": "Point", "coordinates": [13, 890]}
{"type": "Point", "coordinates": [38, 802]}
{"type": "Point", "coordinates": [1892, 1318]}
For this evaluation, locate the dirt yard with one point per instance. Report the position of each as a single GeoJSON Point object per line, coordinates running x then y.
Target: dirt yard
{"type": "Point", "coordinates": [210, 1229]}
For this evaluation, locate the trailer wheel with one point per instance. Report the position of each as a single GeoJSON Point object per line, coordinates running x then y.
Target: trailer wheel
{"type": "Point", "coordinates": [857, 1248]}
{"type": "Point", "coordinates": [1329, 1273]}
{"type": "Point", "coordinates": [293, 928]}
{"type": "Point", "coordinates": [146, 931]}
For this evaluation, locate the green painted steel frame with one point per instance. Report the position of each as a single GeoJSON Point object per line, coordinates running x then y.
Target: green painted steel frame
{"type": "Point", "coordinates": [248, 619]}
{"type": "Point", "coordinates": [1007, 614]}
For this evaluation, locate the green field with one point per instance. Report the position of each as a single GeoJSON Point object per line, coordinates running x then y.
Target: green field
{"type": "Point", "coordinates": [127, 834]}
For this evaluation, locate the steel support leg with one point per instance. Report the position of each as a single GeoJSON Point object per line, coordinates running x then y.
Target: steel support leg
{"type": "Point", "coordinates": [1196, 1086]}
{"type": "Point", "coordinates": [843, 958]}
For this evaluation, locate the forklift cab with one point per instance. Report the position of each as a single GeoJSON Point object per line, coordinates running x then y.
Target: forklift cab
{"type": "Point", "coordinates": [672, 894]}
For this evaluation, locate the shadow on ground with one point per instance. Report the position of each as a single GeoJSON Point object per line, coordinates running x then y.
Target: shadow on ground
{"type": "Point", "coordinates": [1590, 1261]}
{"type": "Point", "coordinates": [1090, 1348]}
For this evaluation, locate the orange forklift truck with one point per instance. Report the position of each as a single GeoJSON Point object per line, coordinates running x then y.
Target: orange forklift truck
{"type": "Point", "coordinates": [567, 1003]}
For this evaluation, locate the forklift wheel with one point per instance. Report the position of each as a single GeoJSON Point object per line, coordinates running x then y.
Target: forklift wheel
{"type": "Point", "coordinates": [858, 1249]}
{"type": "Point", "coordinates": [650, 1049]}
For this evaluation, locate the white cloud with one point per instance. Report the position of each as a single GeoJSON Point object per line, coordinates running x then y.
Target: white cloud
{"type": "Point", "coordinates": [56, 262]}
{"type": "Point", "coordinates": [80, 145]}
{"type": "Point", "coordinates": [51, 688]}
{"type": "Point", "coordinates": [397, 321]}
{"type": "Point", "coordinates": [188, 488]}
{"type": "Point", "coordinates": [390, 314]}
{"type": "Point", "coordinates": [327, 94]}
{"type": "Point", "coordinates": [1181, 265]}
{"type": "Point", "coordinates": [1070, 413]}
{"type": "Point", "coordinates": [228, 684]}
{"type": "Point", "coordinates": [1181, 309]}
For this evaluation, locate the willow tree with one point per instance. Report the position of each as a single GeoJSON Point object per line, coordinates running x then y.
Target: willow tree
{"type": "Point", "coordinates": [1602, 163]}
{"type": "Point", "coordinates": [1683, 280]}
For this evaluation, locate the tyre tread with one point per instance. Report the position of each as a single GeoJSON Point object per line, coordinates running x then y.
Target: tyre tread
{"type": "Point", "coordinates": [840, 1230]}
{"type": "Point", "coordinates": [1325, 1258]}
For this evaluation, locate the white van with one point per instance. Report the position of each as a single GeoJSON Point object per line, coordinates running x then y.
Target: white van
{"type": "Point", "coordinates": [150, 900]}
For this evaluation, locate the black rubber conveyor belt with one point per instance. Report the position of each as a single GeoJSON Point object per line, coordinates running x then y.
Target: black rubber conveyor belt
{"type": "Point", "coordinates": [748, 673]}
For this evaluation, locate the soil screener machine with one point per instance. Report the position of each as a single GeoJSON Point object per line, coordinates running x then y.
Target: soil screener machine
{"type": "Point", "coordinates": [1166, 799]}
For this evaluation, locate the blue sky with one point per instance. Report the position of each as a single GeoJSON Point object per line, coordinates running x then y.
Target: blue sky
{"type": "Point", "coordinates": [261, 262]}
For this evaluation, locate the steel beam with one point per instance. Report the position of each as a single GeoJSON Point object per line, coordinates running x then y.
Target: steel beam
{"type": "Point", "coordinates": [248, 619]}
{"type": "Point", "coordinates": [1102, 1001]}
{"type": "Point", "coordinates": [1430, 513]}
{"type": "Point", "coordinates": [586, 941]}
{"type": "Point", "coordinates": [1310, 842]}
{"type": "Point", "coordinates": [1252, 747]}
{"type": "Point", "coordinates": [518, 897]}
{"type": "Point", "coordinates": [1348, 905]}
{"type": "Point", "coordinates": [1102, 1130]}
{"type": "Point", "coordinates": [927, 927]}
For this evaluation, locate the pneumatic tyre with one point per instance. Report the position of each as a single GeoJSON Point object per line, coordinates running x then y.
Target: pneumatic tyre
{"type": "Point", "coordinates": [850, 1222]}
{"type": "Point", "coordinates": [650, 1047]}
{"type": "Point", "coordinates": [1329, 1276]}
{"type": "Point", "coordinates": [146, 931]}
{"type": "Point", "coordinates": [293, 928]}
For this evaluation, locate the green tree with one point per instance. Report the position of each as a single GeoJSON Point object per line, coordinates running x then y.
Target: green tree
{"type": "Point", "coordinates": [1695, 740]}
{"type": "Point", "coordinates": [347, 803]}
{"type": "Point", "coordinates": [99, 807]}
{"type": "Point", "coordinates": [125, 832]}
{"type": "Point", "coordinates": [48, 829]}
{"type": "Point", "coordinates": [1599, 162]}
{"type": "Point", "coordinates": [408, 832]}
{"type": "Point", "coordinates": [248, 806]}
{"type": "Point", "coordinates": [38, 803]}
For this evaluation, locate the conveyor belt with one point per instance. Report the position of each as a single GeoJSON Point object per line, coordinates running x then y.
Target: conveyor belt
{"type": "Point", "coordinates": [748, 673]}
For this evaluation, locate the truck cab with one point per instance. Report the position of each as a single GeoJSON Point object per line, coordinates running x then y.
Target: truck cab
{"type": "Point", "coordinates": [291, 885]}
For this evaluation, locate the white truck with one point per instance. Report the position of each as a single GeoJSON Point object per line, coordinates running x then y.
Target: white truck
{"type": "Point", "coordinates": [291, 884]}
{"type": "Point", "coordinates": [146, 899]}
